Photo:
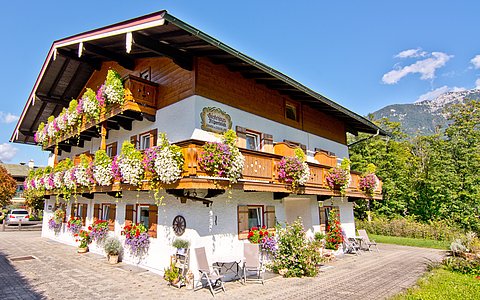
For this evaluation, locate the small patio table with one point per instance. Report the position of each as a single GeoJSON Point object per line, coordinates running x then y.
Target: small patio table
{"type": "Point", "coordinates": [229, 263]}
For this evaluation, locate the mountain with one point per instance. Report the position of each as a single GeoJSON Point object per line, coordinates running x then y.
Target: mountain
{"type": "Point", "coordinates": [425, 117]}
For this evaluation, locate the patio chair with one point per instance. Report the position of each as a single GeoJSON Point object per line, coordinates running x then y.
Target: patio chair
{"type": "Point", "coordinates": [252, 263]}
{"type": "Point", "coordinates": [209, 272]}
{"type": "Point", "coordinates": [366, 241]}
{"type": "Point", "coordinates": [350, 246]}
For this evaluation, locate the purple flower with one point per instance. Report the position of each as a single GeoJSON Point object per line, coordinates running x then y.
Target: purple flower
{"type": "Point", "coordinates": [100, 95]}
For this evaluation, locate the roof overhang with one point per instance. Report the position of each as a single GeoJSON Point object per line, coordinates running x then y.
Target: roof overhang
{"type": "Point", "coordinates": [71, 62]}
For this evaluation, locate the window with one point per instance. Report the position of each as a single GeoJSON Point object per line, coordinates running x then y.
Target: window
{"type": "Point", "coordinates": [105, 211]}
{"type": "Point", "coordinates": [291, 111]}
{"type": "Point", "coordinates": [145, 141]}
{"type": "Point", "coordinates": [252, 140]}
{"type": "Point", "coordinates": [111, 149]}
{"type": "Point", "coordinates": [146, 74]}
{"type": "Point", "coordinates": [143, 216]}
{"type": "Point", "coordinates": [254, 216]}
{"type": "Point", "coordinates": [79, 210]}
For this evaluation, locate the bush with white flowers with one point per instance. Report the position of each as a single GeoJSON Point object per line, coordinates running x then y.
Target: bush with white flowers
{"type": "Point", "coordinates": [90, 105]}
{"type": "Point", "coordinates": [102, 168]}
{"type": "Point", "coordinates": [113, 90]}
{"type": "Point", "coordinates": [130, 164]}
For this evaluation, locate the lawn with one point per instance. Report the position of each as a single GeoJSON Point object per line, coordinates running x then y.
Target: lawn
{"type": "Point", "coordinates": [444, 245]}
{"type": "Point", "coordinates": [442, 284]}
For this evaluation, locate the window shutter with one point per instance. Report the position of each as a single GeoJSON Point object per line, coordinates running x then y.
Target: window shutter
{"type": "Point", "coordinates": [152, 220]}
{"type": "Point", "coordinates": [153, 137]}
{"type": "Point", "coordinates": [72, 210]}
{"type": "Point", "coordinates": [267, 142]}
{"type": "Point", "coordinates": [241, 137]}
{"type": "Point", "coordinates": [134, 141]}
{"type": "Point", "coordinates": [242, 213]}
{"type": "Point", "coordinates": [111, 217]}
{"type": "Point", "coordinates": [114, 149]}
{"type": "Point", "coordinates": [84, 213]}
{"type": "Point", "coordinates": [96, 212]}
{"type": "Point", "coordinates": [64, 208]}
{"type": "Point", "coordinates": [128, 214]}
{"type": "Point", "coordinates": [270, 221]}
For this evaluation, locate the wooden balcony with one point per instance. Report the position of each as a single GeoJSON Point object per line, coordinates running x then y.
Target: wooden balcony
{"type": "Point", "coordinates": [140, 104]}
{"type": "Point", "coordinates": [259, 175]}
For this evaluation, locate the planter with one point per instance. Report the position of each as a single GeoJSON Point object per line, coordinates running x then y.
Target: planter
{"type": "Point", "coordinates": [82, 250]}
{"type": "Point", "coordinates": [113, 259]}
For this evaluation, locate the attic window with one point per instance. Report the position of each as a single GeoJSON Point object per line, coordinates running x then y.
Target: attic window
{"type": "Point", "coordinates": [291, 111]}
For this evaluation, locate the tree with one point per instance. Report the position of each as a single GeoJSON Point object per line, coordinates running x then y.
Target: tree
{"type": "Point", "coordinates": [8, 186]}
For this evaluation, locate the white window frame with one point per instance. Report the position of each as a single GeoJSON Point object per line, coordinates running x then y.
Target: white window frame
{"type": "Point", "coordinates": [105, 211]}
{"type": "Point", "coordinates": [256, 137]}
{"type": "Point", "coordinates": [109, 150]}
{"type": "Point", "coordinates": [139, 214]}
{"type": "Point", "coordinates": [260, 215]}
{"type": "Point", "coordinates": [143, 138]}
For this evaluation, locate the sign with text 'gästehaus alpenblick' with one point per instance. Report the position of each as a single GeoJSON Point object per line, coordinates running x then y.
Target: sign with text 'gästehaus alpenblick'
{"type": "Point", "coordinates": [215, 120]}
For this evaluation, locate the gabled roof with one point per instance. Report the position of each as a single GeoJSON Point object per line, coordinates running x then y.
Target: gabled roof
{"type": "Point", "coordinates": [16, 170]}
{"type": "Point", "coordinates": [71, 62]}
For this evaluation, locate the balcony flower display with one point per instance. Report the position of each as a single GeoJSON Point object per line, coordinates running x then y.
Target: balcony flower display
{"type": "Point", "coordinates": [84, 172]}
{"type": "Point", "coordinates": [164, 162]}
{"type": "Point", "coordinates": [130, 164]}
{"type": "Point", "coordinates": [112, 90]}
{"type": "Point", "coordinates": [102, 168]}
{"type": "Point", "coordinates": [294, 170]}
{"type": "Point", "coordinates": [55, 223]}
{"type": "Point", "coordinates": [90, 105]}
{"type": "Point", "coordinates": [223, 159]}
{"type": "Point", "coordinates": [74, 225]}
{"type": "Point", "coordinates": [369, 182]}
{"type": "Point", "coordinates": [99, 230]}
{"type": "Point", "coordinates": [73, 117]}
{"type": "Point", "coordinates": [137, 239]}
{"type": "Point", "coordinates": [338, 178]}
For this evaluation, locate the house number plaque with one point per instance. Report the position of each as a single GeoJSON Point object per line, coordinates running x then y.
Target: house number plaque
{"type": "Point", "coordinates": [215, 120]}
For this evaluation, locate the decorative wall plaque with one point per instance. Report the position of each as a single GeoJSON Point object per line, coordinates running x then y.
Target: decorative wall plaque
{"type": "Point", "coordinates": [215, 120]}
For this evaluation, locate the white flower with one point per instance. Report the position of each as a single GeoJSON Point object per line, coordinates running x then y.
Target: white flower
{"type": "Point", "coordinates": [236, 168]}
{"type": "Point", "coordinates": [304, 175]}
{"type": "Point", "coordinates": [68, 178]}
{"type": "Point", "coordinates": [90, 106]}
{"type": "Point", "coordinates": [58, 179]}
{"type": "Point", "coordinates": [103, 175]}
{"type": "Point", "coordinates": [61, 123]}
{"type": "Point", "coordinates": [131, 169]}
{"type": "Point", "coordinates": [50, 130]}
{"type": "Point", "coordinates": [166, 167]}
{"type": "Point", "coordinates": [81, 176]}
{"type": "Point", "coordinates": [72, 118]}
{"type": "Point", "coordinates": [112, 95]}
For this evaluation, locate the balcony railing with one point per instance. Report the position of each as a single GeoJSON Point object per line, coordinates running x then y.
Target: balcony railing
{"type": "Point", "coordinates": [259, 174]}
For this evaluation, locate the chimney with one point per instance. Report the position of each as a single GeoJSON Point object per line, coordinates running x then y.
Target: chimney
{"type": "Point", "coordinates": [31, 164]}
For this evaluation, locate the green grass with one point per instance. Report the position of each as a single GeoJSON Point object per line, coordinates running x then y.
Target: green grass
{"type": "Point", "coordinates": [444, 245]}
{"type": "Point", "coordinates": [441, 284]}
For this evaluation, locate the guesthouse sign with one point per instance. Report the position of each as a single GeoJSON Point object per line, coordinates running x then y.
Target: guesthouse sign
{"type": "Point", "coordinates": [215, 120]}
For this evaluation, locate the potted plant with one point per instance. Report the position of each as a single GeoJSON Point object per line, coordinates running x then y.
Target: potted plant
{"type": "Point", "coordinates": [172, 274]}
{"type": "Point", "coordinates": [84, 241]}
{"type": "Point", "coordinates": [113, 248]}
{"type": "Point", "coordinates": [181, 245]}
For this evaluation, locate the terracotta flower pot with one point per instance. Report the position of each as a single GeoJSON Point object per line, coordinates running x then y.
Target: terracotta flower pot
{"type": "Point", "coordinates": [82, 250]}
{"type": "Point", "coordinates": [113, 259]}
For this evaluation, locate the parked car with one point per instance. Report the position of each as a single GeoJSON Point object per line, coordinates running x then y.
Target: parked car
{"type": "Point", "coordinates": [17, 216]}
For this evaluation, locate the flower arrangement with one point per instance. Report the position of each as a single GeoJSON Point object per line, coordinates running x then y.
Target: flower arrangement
{"type": "Point", "coordinates": [84, 172]}
{"type": "Point", "coordinates": [55, 222]}
{"type": "Point", "coordinates": [129, 164]}
{"type": "Point", "coordinates": [136, 239]}
{"type": "Point", "coordinates": [112, 90]}
{"type": "Point", "coordinates": [164, 162]}
{"type": "Point", "coordinates": [256, 235]}
{"type": "Point", "coordinates": [90, 105]}
{"type": "Point", "coordinates": [84, 238]}
{"type": "Point", "coordinates": [334, 231]}
{"type": "Point", "coordinates": [98, 230]}
{"type": "Point", "coordinates": [102, 169]}
{"type": "Point", "coordinates": [74, 225]}
{"type": "Point", "coordinates": [339, 177]}
{"type": "Point", "coordinates": [369, 181]}
{"type": "Point", "coordinates": [223, 159]}
{"type": "Point", "coordinates": [269, 244]}
{"type": "Point", "coordinates": [294, 170]}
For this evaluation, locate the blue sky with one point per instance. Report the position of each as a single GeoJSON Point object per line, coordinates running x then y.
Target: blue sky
{"type": "Point", "coordinates": [362, 54]}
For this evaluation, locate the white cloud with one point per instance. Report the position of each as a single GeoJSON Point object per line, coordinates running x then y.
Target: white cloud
{"type": "Point", "coordinates": [425, 67]}
{"type": "Point", "coordinates": [437, 92]}
{"type": "Point", "coordinates": [7, 117]}
{"type": "Point", "coordinates": [7, 152]}
{"type": "Point", "coordinates": [411, 53]}
{"type": "Point", "coordinates": [476, 62]}
{"type": "Point", "coordinates": [477, 83]}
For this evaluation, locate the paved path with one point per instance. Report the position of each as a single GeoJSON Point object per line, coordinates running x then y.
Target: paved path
{"type": "Point", "coordinates": [60, 273]}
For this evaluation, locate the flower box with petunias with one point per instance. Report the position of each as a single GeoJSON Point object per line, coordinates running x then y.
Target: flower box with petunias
{"type": "Point", "coordinates": [99, 230]}
{"type": "Point", "coordinates": [74, 225]}
{"type": "Point", "coordinates": [137, 239]}
{"type": "Point", "coordinates": [338, 178]}
{"type": "Point", "coordinates": [294, 170]}
{"type": "Point", "coordinates": [369, 182]}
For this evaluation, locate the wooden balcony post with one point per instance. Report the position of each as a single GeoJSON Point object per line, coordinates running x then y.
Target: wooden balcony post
{"type": "Point", "coordinates": [103, 133]}
{"type": "Point", "coordinates": [55, 156]}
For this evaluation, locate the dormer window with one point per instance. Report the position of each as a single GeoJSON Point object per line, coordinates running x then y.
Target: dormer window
{"type": "Point", "coordinates": [291, 111]}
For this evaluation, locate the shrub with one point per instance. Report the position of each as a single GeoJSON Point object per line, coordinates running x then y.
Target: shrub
{"type": "Point", "coordinates": [461, 265]}
{"type": "Point", "coordinates": [319, 236]}
{"type": "Point", "coordinates": [406, 227]}
{"type": "Point", "coordinates": [181, 244]}
{"type": "Point", "coordinates": [112, 246]}
{"type": "Point", "coordinates": [296, 256]}
{"type": "Point", "coordinates": [334, 231]}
